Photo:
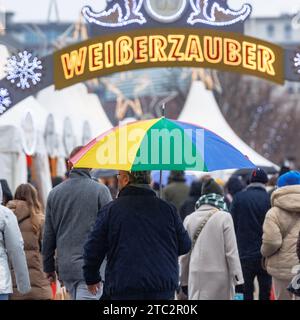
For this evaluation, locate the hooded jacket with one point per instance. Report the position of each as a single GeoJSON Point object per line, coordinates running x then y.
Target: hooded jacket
{"type": "Point", "coordinates": [212, 269]}
{"type": "Point", "coordinates": [280, 232]}
{"type": "Point", "coordinates": [40, 285]}
{"type": "Point", "coordinates": [11, 248]}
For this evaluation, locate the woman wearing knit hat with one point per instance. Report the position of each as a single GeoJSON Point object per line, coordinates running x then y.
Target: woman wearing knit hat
{"type": "Point", "coordinates": [212, 268]}
{"type": "Point", "coordinates": [281, 229]}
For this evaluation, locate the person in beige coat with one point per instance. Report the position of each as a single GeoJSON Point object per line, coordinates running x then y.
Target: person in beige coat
{"type": "Point", "coordinates": [212, 268]}
{"type": "Point", "coordinates": [280, 233]}
{"type": "Point", "coordinates": [29, 214]}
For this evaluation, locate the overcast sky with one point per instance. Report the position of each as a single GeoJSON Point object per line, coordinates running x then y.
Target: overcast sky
{"type": "Point", "coordinates": [69, 10]}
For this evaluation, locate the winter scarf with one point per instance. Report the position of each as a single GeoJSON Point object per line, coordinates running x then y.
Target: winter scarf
{"type": "Point", "coordinates": [214, 200]}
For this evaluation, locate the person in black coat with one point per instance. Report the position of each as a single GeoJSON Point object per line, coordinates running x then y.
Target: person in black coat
{"type": "Point", "coordinates": [232, 187]}
{"type": "Point", "coordinates": [142, 237]}
{"type": "Point", "coordinates": [248, 210]}
{"type": "Point", "coordinates": [188, 206]}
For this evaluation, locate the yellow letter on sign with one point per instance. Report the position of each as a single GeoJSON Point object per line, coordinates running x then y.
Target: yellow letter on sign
{"type": "Point", "coordinates": [74, 62]}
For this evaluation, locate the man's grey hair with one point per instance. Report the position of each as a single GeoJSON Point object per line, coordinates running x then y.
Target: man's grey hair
{"type": "Point", "coordinates": [140, 177]}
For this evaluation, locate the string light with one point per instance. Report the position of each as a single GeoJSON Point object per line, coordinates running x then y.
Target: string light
{"type": "Point", "coordinates": [5, 100]}
{"type": "Point", "coordinates": [24, 70]}
{"type": "Point", "coordinates": [297, 62]}
{"type": "Point", "coordinates": [207, 18]}
{"type": "Point", "coordinates": [241, 15]}
{"type": "Point", "coordinates": [93, 17]}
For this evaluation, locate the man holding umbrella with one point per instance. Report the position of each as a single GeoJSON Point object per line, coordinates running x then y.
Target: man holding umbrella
{"type": "Point", "coordinates": [141, 234]}
{"type": "Point", "coordinates": [142, 237]}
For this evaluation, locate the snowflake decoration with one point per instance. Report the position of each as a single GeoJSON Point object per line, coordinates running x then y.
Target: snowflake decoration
{"type": "Point", "coordinates": [297, 62]}
{"type": "Point", "coordinates": [5, 101]}
{"type": "Point", "coordinates": [22, 69]}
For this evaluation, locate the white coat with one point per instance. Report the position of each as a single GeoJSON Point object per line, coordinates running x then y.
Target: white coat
{"type": "Point", "coordinates": [212, 269]}
{"type": "Point", "coordinates": [11, 247]}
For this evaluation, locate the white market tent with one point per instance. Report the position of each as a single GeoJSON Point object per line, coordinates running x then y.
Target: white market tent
{"type": "Point", "coordinates": [202, 109]}
{"type": "Point", "coordinates": [78, 117]}
{"type": "Point", "coordinates": [94, 113]}
{"type": "Point", "coordinates": [25, 124]}
{"type": "Point", "coordinates": [79, 106]}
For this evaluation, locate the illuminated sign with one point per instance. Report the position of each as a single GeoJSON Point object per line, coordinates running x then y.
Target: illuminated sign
{"type": "Point", "coordinates": [217, 13]}
{"type": "Point", "coordinates": [173, 48]}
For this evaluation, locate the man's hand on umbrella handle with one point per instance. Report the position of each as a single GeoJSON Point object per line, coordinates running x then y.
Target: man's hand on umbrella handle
{"type": "Point", "coordinates": [51, 276]}
{"type": "Point", "coordinates": [94, 288]}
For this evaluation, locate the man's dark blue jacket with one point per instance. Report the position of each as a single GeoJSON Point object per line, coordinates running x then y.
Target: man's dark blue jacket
{"type": "Point", "coordinates": [142, 237]}
{"type": "Point", "coordinates": [248, 209]}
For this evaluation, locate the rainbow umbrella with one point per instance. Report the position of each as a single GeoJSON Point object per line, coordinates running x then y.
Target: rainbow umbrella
{"type": "Point", "coordinates": [160, 144]}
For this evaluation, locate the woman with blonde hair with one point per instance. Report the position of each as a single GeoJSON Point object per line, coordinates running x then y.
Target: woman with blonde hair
{"type": "Point", "coordinates": [30, 216]}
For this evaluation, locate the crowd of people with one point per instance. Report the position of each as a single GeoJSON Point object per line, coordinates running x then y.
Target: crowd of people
{"type": "Point", "coordinates": [112, 237]}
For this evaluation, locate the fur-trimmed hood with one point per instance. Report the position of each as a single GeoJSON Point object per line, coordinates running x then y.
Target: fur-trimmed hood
{"type": "Point", "coordinates": [287, 198]}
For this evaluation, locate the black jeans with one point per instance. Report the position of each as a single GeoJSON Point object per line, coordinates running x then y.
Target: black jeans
{"type": "Point", "coordinates": [252, 269]}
